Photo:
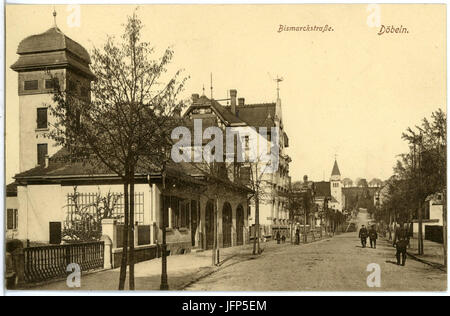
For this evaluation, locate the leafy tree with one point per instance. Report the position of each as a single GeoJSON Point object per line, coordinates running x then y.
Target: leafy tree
{"type": "Point", "coordinates": [375, 182]}
{"type": "Point", "coordinates": [362, 183]}
{"type": "Point", "coordinates": [347, 182]}
{"type": "Point", "coordinates": [421, 171]}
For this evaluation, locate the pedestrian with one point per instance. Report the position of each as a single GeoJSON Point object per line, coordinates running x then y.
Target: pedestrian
{"type": "Point", "coordinates": [283, 238]}
{"type": "Point", "coordinates": [390, 232]}
{"type": "Point", "coordinates": [401, 241]}
{"type": "Point", "coordinates": [297, 236]}
{"type": "Point", "coordinates": [373, 236]}
{"type": "Point", "coordinates": [363, 233]}
{"type": "Point", "coordinates": [278, 237]}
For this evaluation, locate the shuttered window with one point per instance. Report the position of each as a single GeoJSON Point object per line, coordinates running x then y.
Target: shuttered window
{"type": "Point", "coordinates": [42, 118]}
{"type": "Point", "coordinates": [12, 218]}
{"type": "Point", "coordinates": [41, 153]}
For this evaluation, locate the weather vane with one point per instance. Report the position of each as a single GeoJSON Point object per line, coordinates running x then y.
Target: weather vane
{"type": "Point", "coordinates": [54, 16]}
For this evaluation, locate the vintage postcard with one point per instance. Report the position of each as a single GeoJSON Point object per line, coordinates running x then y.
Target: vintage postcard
{"type": "Point", "coordinates": [219, 147]}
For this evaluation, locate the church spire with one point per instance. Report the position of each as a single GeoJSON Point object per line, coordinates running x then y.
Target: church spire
{"type": "Point", "coordinates": [335, 171]}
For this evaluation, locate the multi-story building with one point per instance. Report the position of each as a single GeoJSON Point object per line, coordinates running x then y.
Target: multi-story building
{"type": "Point", "coordinates": [273, 208]}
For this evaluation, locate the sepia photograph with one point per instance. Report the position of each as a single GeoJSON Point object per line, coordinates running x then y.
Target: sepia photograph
{"type": "Point", "coordinates": [205, 148]}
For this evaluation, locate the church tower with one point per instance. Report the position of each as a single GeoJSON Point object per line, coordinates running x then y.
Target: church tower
{"type": "Point", "coordinates": [336, 187]}
{"type": "Point", "coordinates": [43, 57]}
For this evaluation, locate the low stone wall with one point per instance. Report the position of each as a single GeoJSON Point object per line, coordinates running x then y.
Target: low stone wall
{"type": "Point", "coordinates": [149, 252]}
{"type": "Point", "coordinates": [141, 253]}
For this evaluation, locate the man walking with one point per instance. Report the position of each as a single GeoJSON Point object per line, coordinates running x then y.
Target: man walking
{"type": "Point", "coordinates": [297, 236]}
{"type": "Point", "coordinates": [363, 233]}
{"type": "Point", "coordinates": [401, 241]}
{"type": "Point", "coordinates": [373, 236]}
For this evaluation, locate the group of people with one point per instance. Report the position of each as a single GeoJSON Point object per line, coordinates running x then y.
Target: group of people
{"type": "Point", "coordinates": [280, 237]}
{"type": "Point", "coordinates": [371, 234]}
{"type": "Point", "coordinates": [401, 240]}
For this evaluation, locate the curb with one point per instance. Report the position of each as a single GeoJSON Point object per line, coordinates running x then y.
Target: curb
{"type": "Point", "coordinates": [429, 263]}
{"type": "Point", "coordinates": [438, 266]}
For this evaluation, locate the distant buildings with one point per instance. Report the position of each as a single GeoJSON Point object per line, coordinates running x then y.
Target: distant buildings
{"type": "Point", "coordinates": [330, 192]}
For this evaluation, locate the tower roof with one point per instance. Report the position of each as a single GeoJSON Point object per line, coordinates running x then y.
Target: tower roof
{"type": "Point", "coordinates": [335, 171]}
{"type": "Point", "coordinates": [51, 49]}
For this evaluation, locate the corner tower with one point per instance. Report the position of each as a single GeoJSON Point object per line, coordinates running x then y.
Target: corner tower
{"type": "Point", "coordinates": [42, 57]}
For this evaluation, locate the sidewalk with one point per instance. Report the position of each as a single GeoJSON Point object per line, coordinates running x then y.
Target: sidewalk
{"type": "Point", "coordinates": [183, 270]}
{"type": "Point", "coordinates": [433, 252]}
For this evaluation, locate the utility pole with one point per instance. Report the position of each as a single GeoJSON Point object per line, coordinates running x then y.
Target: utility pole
{"type": "Point", "coordinates": [164, 284]}
{"type": "Point", "coordinates": [420, 241]}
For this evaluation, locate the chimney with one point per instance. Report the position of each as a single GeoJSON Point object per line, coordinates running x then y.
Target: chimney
{"type": "Point", "coordinates": [46, 161]}
{"type": "Point", "coordinates": [233, 95]}
{"type": "Point", "coordinates": [241, 101]}
{"type": "Point", "coordinates": [195, 97]}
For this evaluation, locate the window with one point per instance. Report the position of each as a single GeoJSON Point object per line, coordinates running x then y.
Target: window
{"type": "Point", "coordinates": [84, 92]}
{"type": "Point", "coordinates": [72, 86]}
{"type": "Point", "coordinates": [138, 208]}
{"type": "Point", "coordinates": [42, 151]}
{"type": "Point", "coordinates": [12, 218]}
{"type": "Point", "coordinates": [51, 83]}
{"type": "Point", "coordinates": [42, 118]}
{"type": "Point", "coordinates": [180, 213]}
{"type": "Point", "coordinates": [30, 85]}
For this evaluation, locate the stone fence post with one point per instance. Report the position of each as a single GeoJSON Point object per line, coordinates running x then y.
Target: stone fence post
{"type": "Point", "coordinates": [107, 257]}
{"type": "Point", "coordinates": [109, 228]}
{"type": "Point", "coordinates": [136, 234]}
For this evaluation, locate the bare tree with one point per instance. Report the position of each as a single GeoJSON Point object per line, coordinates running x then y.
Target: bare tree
{"type": "Point", "coordinates": [86, 212]}
{"type": "Point", "coordinates": [126, 122]}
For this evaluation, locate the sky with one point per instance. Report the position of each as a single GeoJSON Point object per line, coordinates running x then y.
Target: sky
{"type": "Point", "coordinates": [348, 93]}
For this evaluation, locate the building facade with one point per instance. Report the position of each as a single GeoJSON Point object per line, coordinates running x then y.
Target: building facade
{"type": "Point", "coordinates": [47, 186]}
{"type": "Point", "coordinates": [273, 206]}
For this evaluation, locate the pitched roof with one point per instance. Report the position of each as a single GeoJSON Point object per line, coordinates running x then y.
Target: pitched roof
{"type": "Point", "coordinates": [60, 167]}
{"type": "Point", "coordinates": [11, 189]}
{"type": "Point", "coordinates": [257, 115]}
{"type": "Point", "coordinates": [335, 171]}
{"type": "Point", "coordinates": [218, 108]}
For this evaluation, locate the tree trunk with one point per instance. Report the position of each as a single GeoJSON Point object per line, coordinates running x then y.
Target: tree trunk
{"type": "Point", "coordinates": [132, 228]}
{"type": "Point", "coordinates": [256, 246]}
{"type": "Point", "coordinates": [217, 255]}
{"type": "Point", "coordinates": [123, 265]}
